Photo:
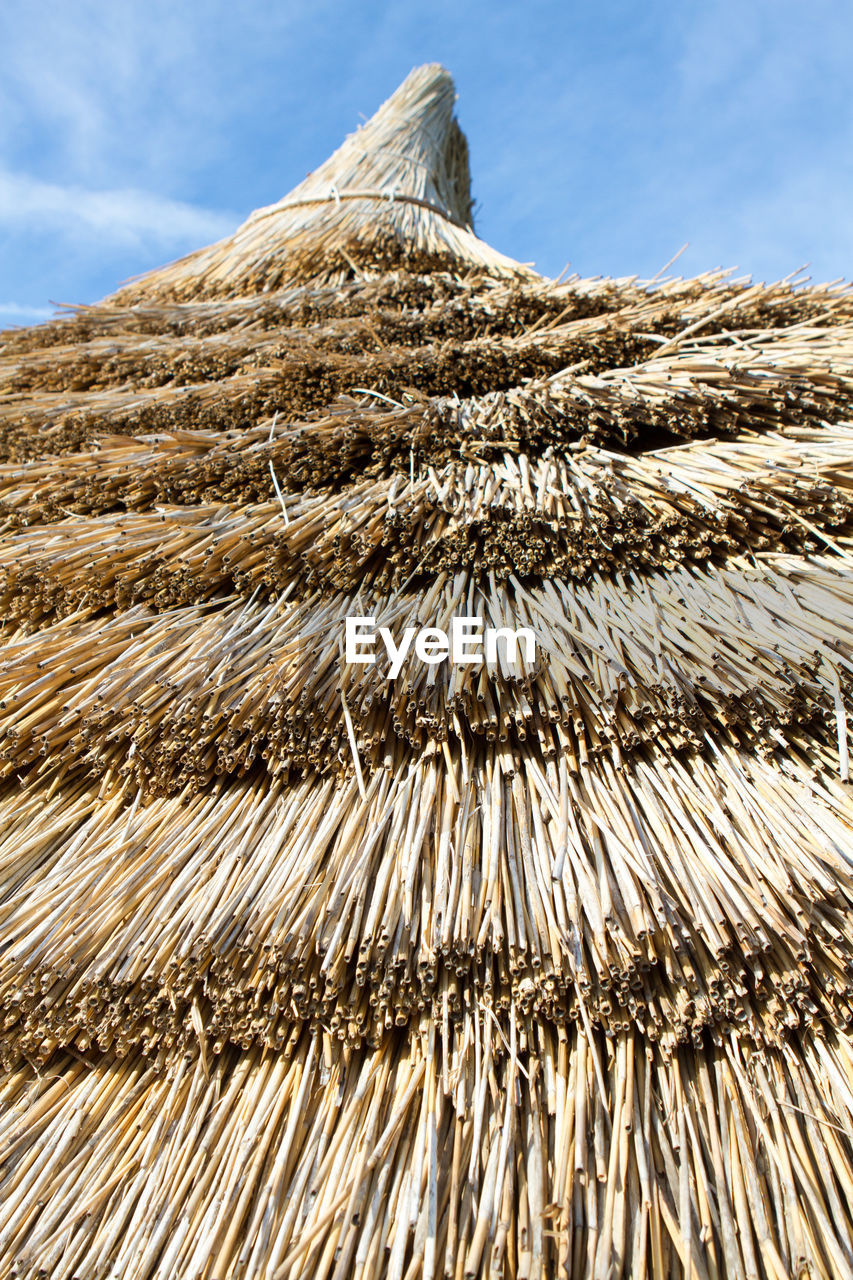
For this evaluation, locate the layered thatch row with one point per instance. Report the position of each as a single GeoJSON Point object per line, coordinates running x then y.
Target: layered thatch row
{"type": "Point", "coordinates": [722, 384]}
{"type": "Point", "coordinates": [578, 512]}
{"type": "Point", "coordinates": [747, 653]}
{"type": "Point", "coordinates": [404, 346]}
{"type": "Point", "coordinates": [671, 896]}
{"type": "Point", "coordinates": [527, 969]}
{"type": "Point", "coordinates": [518, 1149]}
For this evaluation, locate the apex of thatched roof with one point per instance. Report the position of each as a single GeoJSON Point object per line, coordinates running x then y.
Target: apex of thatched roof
{"type": "Point", "coordinates": [411, 150]}
{"type": "Point", "coordinates": [397, 190]}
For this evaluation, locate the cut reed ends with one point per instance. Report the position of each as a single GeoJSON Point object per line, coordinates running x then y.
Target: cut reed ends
{"type": "Point", "coordinates": [516, 1149]}
{"type": "Point", "coordinates": [670, 897]}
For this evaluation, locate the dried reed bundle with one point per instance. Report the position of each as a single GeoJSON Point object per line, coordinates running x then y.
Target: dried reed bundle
{"type": "Point", "coordinates": [544, 1151]}
{"type": "Point", "coordinates": [566, 516]}
{"type": "Point", "coordinates": [755, 655]}
{"type": "Point", "coordinates": [397, 188]}
{"type": "Point", "coordinates": [650, 896]}
{"type": "Point", "coordinates": [526, 970]}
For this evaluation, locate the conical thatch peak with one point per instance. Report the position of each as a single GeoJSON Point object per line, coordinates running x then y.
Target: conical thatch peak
{"type": "Point", "coordinates": [411, 150]}
{"type": "Point", "coordinates": [397, 190]}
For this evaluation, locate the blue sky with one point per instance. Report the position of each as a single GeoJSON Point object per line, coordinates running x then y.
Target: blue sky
{"type": "Point", "coordinates": [602, 134]}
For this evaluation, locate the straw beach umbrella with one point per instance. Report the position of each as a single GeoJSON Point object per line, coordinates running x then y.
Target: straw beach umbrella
{"type": "Point", "coordinates": [536, 966]}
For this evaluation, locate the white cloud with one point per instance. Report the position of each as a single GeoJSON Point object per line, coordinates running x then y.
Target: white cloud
{"type": "Point", "coordinates": [15, 314]}
{"type": "Point", "coordinates": [123, 216]}
{"type": "Point", "coordinates": [22, 312]}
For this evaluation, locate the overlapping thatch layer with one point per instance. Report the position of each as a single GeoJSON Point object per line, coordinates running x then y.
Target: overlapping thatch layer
{"type": "Point", "coordinates": [529, 970]}
{"type": "Point", "coordinates": [519, 1150]}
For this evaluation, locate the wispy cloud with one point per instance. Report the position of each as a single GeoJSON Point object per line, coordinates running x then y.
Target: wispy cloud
{"type": "Point", "coordinates": [123, 216]}
{"type": "Point", "coordinates": [25, 312]}
{"type": "Point", "coordinates": [19, 313]}
{"type": "Point", "coordinates": [609, 134]}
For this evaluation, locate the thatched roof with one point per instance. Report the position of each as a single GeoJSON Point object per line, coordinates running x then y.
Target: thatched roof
{"type": "Point", "coordinates": [398, 189]}
{"type": "Point", "coordinates": [530, 970]}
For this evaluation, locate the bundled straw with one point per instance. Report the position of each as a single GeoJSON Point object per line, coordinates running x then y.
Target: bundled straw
{"type": "Point", "coordinates": [528, 968]}
{"type": "Point", "coordinates": [518, 1150]}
